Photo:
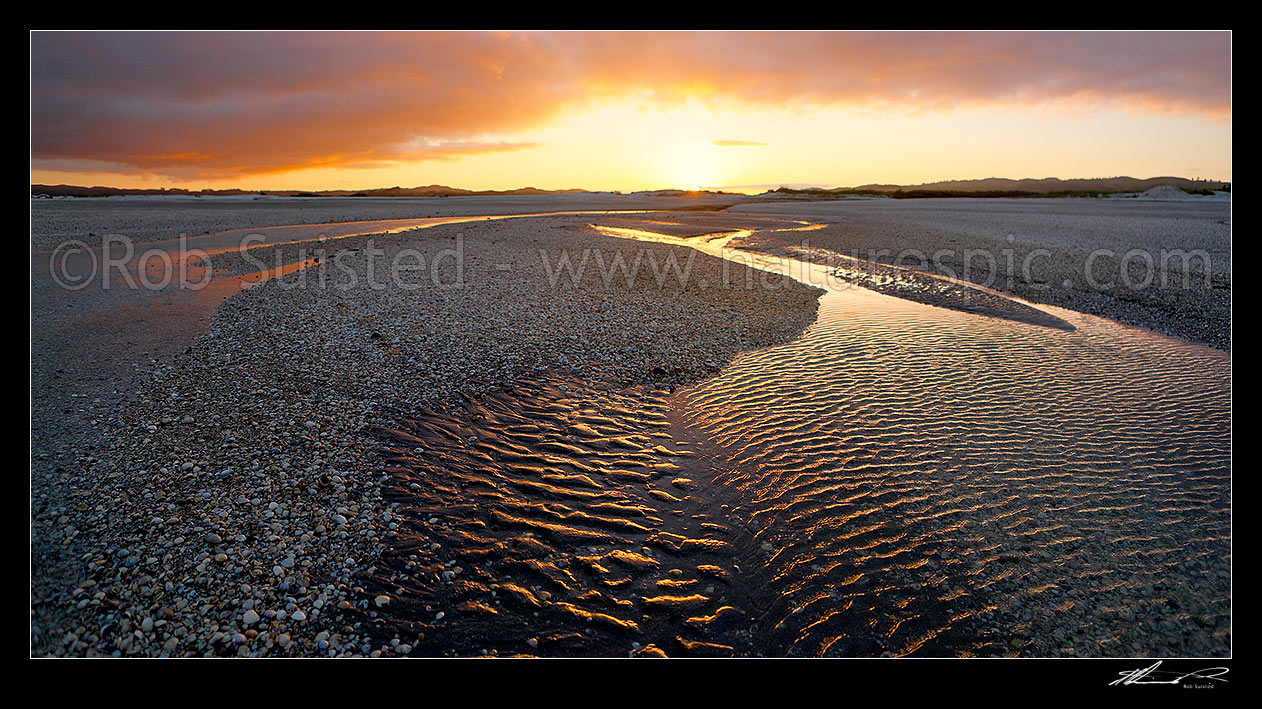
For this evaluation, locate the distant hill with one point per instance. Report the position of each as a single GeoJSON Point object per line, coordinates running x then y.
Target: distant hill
{"type": "Point", "coordinates": [427, 191]}
{"type": "Point", "coordinates": [98, 191]}
{"type": "Point", "coordinates": [1049, 185]}
{"type": "Point", "coordinates": [990, 187]}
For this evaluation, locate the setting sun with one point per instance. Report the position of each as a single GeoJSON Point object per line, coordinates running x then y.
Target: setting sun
{"type": "Point", "coordinates": [691, 166]}
{"type": "Point", "coordinates": [626, 111]}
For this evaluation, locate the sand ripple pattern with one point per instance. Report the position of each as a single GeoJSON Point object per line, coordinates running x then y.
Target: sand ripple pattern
{"type": "Point", "coordinates": [902, 480]}
{"type": "Point", "coordinates": [556, 518]}
{"type": "Point", "coordinates": [935, 482]}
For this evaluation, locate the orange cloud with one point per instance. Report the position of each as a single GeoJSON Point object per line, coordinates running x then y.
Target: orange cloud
{"type": "Point", "coordinates": [229, 104]}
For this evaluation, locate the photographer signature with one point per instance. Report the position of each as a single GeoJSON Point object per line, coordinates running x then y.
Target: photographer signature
{"type": "Point", "coordinates": [1151, 675]}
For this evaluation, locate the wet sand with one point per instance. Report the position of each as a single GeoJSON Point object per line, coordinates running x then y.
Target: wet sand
{"type": "Point", "coordinates": [634, 468]}
{"type": "Point", "coordinates": [561, 517]}
{"type": "Point", "coordinates": [1118, 259]}
{"type": "Point", "coordinates": [906, 479]}
{"type": "Point", "coordinates": [231, 503]}
{"type": "Point", "coordinates": [937, 483]}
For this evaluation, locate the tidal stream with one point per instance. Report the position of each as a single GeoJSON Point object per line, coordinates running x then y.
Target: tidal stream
{"type": "Point", "coordinates": [904, 479]}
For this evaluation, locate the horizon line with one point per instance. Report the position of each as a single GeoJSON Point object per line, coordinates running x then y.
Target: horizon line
{"type": "Point", "coordinates": [764, 186]}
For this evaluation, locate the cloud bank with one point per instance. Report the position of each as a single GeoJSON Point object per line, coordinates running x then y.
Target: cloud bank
{"type": "Point", "coordinates": [217, 105]}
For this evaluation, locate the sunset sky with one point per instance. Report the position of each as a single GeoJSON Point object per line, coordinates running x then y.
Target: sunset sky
{"type": "Point", "coordinates": [623, 111]}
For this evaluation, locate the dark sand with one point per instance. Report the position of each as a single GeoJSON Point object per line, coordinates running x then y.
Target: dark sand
{"type": "Point", "coordinates": [513, 468]}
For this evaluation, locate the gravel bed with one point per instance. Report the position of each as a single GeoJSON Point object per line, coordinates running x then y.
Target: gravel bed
{"type": "Point", "coordinates": [233, 503]}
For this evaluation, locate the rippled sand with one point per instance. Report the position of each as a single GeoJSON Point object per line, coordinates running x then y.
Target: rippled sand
{"type": "Point", "coordinates": [988, 477]}
{"type": "Point", "coordinates": [902, 480]}
{"type": "Point", "coordinates": [943, 483]}
{"type": "Point", "coordinates": [560, 518]}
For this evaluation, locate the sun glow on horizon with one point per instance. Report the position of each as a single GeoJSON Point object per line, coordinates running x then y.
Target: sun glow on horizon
{"type": "Point", "coordinates": [623, 110]}
{"type": "Point", "coordinates": [630, 146]}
